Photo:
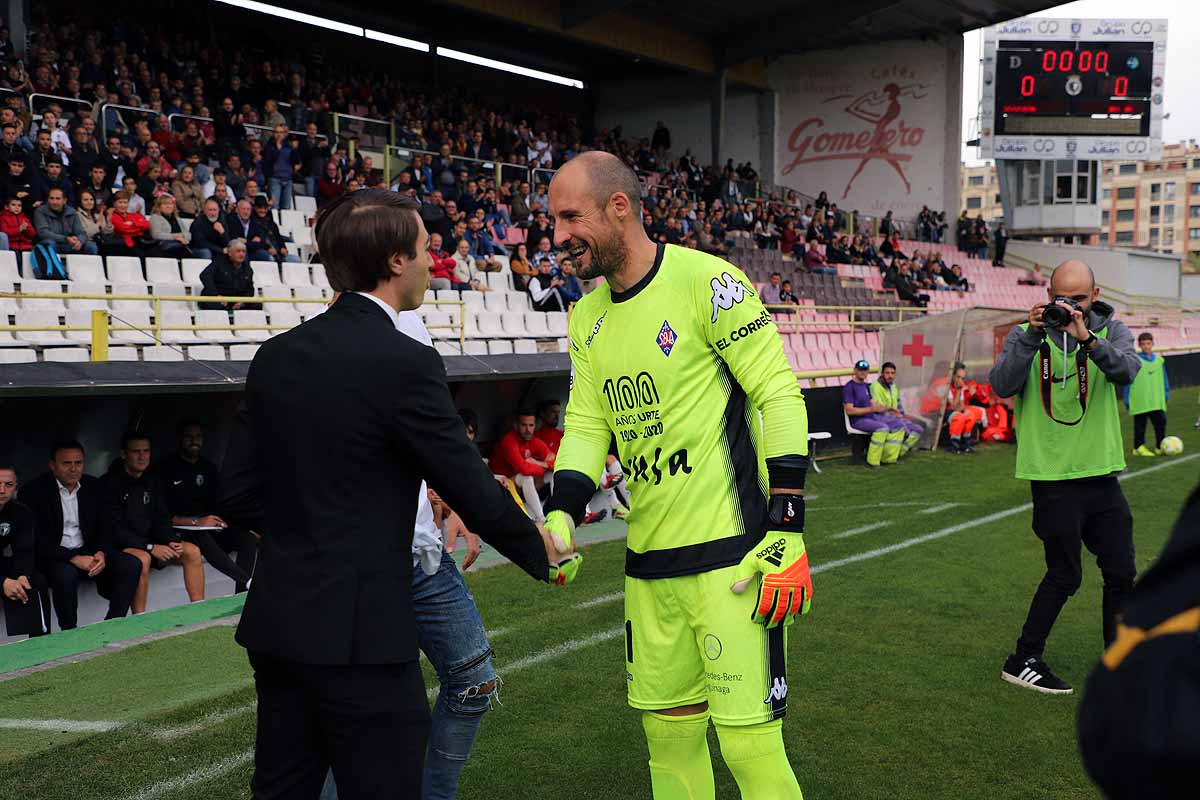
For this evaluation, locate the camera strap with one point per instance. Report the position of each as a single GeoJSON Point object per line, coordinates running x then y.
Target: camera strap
{"type": "Point", "coordinates": [1047, 382]}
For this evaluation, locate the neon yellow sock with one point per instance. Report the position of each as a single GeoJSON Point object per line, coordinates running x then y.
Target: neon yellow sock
{"type": "Point", "coordinates": [680, 766]}
{"type": "Point", "coordinates": [755, 756]}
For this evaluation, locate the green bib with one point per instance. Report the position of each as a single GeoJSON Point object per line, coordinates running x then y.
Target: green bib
{"type": "Point", "coordinates": [1148, 391]}
{"type": "Point", "coordinates": [1050, 451]}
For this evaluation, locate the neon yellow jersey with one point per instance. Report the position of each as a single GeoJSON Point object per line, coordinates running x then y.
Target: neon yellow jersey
{"type": "Point", "coordinates": [677, 369]}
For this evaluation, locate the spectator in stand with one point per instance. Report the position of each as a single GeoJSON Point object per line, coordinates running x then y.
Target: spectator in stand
{"type": "Point", "coordinates": [190, 481]}
{"type": "Point", "coordinates": [256, 166]}
{"type": "Point", "coordinates": [906, 288]}
{"type": "Point", "coordinates": [9, 149]}
{"type": "Point", "coordinates": [769, 294]}
{"type": "Point", "coordinates": [235, 175]}
{"type": "Point", "coordinates": [541, 228]}
{"type": "Point", "coordinates": [1001, 245]}
{"type": "Point", "coordinates": [545, 289]}
{"type": "Point", "coordinates": [208, 233]}
{"type": "Point", "coordinates": [242, 226]}
{"type": "Point", "coordinates": [331, 186]}
{"type": "Point", "coordinates": [70, 543]}
{"type": "Point", "coordinates": [887, 227]}
{"type": "Point", "coordinates": [276, 243]}
{"type": "Point", "coordinates": [787, 297]}
{"type": "Point", "coordinates": [282, 163]}
{"type": "Point", "coordinates": [885, 392]}
{"type": "Point", "coordinates": [962, 416]}
{"type": "Point", "coordinates": [522, 270]}
{"type": "Point", "coordinates": [137, 203]}
{"type": "Point", "coordinates": [42, 151]}
{"type": "Point", "coordinates": [153, 158]}
{"type": "Point", "coordinates": [838, 251]}
{"type": "Point", "coordinates": [220, 189]}
{"type": "Point", "coordinates": [954, 278]}
{"type": "Point", "coordinates": [466, 272]}
{"type": "Point", "coordinates": [98, 185]}
{"type": "Point", "coordinates": [17, 185]}
{"type": "Point", "coordinates": [871, 417]}
{"type": "Point", "coordinates": [271, 116]}
{"type": "Point", "coordinates": [134, 518]}
{"type": "Point", "coordinates": [118, 162]}
{"type": "Point", "coordinates": [526, 460]}
{"type": "Point", "coordinates": [544, 253]}
{"type": "Point", "coordinates": [58, 225]}
{"type": "Point", "coordinates": [441, 268]}
{"type": "Point", "coordinates": [131, 231]}
{"type": "Point", "coordinates": [482, 247]}
{"type": "Point", "coordinates": [314, 155]}
{"type": "Point", "coordinates": [571, 289]}
{"type": "Point", "coordinates": [52, 177]}
{"type": "Point", "coordinates": [150, 186]}
{"type": "Point", "coordinates": [891, 247]}
{"type": "Point", "coordinates": [815, 263]}
{"type": "Point", "coordinates": [1034, 278]}
{"type": "Point", "coordinates": [227, 125]}
{"type": "Point", "coordinates": [16, 227]}
{"type": "Point", "coordinates": [188, 193]}
{"type": "Point", "coordinates": [229, 275]}
{"type": "Point", "coordinates": [521, 210]}
{"type": "Point", "coordinates": [168, 233]}
{"type": "Point", "coordinates": [93, 216]}
{"type": "Point", "coordinates": [789, 239]}
{"type": "Point", "coordinates": [19, 578]}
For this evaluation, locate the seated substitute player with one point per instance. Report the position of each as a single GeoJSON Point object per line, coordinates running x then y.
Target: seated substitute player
{"type": "Point", "coordinates": [870, 416]}
{"type": "Point", "coordinates": [525, 459]}
{"type": "Point", "coordinates": [885, 392]}
{"type": "Point", "coordinates": [675, 355]}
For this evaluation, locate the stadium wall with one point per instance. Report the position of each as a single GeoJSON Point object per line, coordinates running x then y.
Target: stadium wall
{"type": "Point", "coordinates": [836, 118]}
{"type": "Point", "coordinates": [1133, 271]}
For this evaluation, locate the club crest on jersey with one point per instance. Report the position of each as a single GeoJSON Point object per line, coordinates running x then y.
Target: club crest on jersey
{"type": "Point", "coordinates": [5, 528]}
{"type": "Point", "coordinates": [728, 291]}
{"type": "Point", "coordinates": [199, 480]}
{"type": "Point", "coordinates": [666, 338]}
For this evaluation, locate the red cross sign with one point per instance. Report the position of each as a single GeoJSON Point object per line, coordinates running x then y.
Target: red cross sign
{"type": "Point", "coordinates": [916, 350]}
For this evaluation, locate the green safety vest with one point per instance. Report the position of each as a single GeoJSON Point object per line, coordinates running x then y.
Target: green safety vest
{"type": "Point", "coordinates": [1051, 451]}
{"type": "Point", "coordinates": [885, 396]}
{"type": "Point", "coordinates": [1148, 391]}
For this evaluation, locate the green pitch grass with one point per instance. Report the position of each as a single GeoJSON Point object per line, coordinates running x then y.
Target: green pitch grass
{"type": "Point", "coordinates": [894, 676]}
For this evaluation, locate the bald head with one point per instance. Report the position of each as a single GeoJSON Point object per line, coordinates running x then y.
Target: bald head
{"type": "Point", "coordinates": [1074, 271]}
{"type": "Point", "coordinates": [604, 175]}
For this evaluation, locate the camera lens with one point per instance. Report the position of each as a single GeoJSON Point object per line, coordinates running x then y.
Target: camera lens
{"type": "Point", "coordinates": [1055, 316]}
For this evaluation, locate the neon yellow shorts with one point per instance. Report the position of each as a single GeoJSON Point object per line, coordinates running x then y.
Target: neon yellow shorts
{"type": "Point", "coordinates": [691, 640]}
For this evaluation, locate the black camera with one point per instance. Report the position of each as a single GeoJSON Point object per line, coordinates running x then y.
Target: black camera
{"type": "Point", "coordinates": [1055, 316]}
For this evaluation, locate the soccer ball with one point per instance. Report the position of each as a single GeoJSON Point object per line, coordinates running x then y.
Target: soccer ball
{"type": "Point", "coordinates": [1171, 445]}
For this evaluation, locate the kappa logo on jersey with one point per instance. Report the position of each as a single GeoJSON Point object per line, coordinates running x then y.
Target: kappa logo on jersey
{"type": "Point", "coordinates": [728, 291]}
{"type": "Point", "coordinates": [666, 338]}
{"type": "Point", "coordinates": [773, 554]}
{"type": "Point", "coordinates": [596, 329]}
{"type": "Point", "coordinates": [778, 691]}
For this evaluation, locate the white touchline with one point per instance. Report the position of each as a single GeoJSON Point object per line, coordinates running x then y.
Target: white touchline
{"type": "Point", "coordinates": [207, 721]}
{"type": "Point", "coordinates": [938, 507]}
{"type": "Point", "coordinates": [561, 649]}
{"type": "Point", "coordinates": [603, 599]}
{"type": "Point", "coordinates": [862, 529]}
{"type": "Point", "coordinates": [173, 785]}
{"type": "Point", "coordinates": [61, 725]}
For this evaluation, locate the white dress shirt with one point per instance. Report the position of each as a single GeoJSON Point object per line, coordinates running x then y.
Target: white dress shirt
{"type": "Point", "coordinates": [72, 536]}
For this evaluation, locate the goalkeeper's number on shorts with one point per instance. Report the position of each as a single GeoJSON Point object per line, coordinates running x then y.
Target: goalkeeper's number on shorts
{"type": "Point", "coordinates": [780, 558]}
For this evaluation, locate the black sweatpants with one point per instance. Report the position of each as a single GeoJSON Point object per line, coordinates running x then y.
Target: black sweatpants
{"type": "Point", "coordinates": [1158, 419]}
{"type": "Point", "coordinates": [1091, 512]}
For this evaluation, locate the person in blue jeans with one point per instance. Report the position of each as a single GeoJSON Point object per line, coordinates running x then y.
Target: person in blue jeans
{"type": "Point", "coordinates": [281, 161]}
{"type": "Point", "coordinates": [449, 630]}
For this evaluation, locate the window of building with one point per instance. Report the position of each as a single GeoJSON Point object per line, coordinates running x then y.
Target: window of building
{"type": "Point", "coordinates": [1168, 214]}
{"type": "Point", "coordinates": [1156, 191]}
{"type": "Point", "coordinates": [1108, 194]}
{"type": "Point", "coordinates": [1124, 237]}
{"type": "Point", "coordinates": [1169, 190]}
{"type": "Point", "coordinates": [974, 202]}
{"type": "Point", "coordinates": [1155, 214]}
{"type": "Point", "coordinates": [1104, 237]}
{"type": "Point", "coordinates": [975, 180]}
{"type": "Point", "coordinates": [1194, 188]}
{"type": "Point", "coordinates": [1127, 169]}
{"type": "Point", "coordinates": [1194, 212]}
{"type": "Point", "coordinates": [1125, 215]}
{"type": "Point", "coordinates": [1168, 237]}
{"type": "Point", "coordinates": [1194, 234]}
{"type": "Point", "coordinates": [1154, 237]}
{"type": "Point", "coordinates": [1126, 192]}
{"type": "Point", "coordinates": [1104, 217]}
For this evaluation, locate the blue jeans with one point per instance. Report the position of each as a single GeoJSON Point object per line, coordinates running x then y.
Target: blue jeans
{"type": "Point", "coordinates": [451, 635]}
{"type": "Point", "coordinates": [3, 241]}
{"type": "Point", "coordinates": [280, 191]}
{"type": "Point", "coordinates": [89, 248]}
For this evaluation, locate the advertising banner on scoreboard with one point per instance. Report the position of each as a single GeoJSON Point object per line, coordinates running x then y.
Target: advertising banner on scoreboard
{"type": "Point", "coordinates": [1089, 89]}
{"type": "Point", "coordinates": [867, 125]}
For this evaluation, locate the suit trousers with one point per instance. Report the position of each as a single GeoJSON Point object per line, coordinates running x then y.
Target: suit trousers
{"type": "Point", "coordinates": [368, 722]}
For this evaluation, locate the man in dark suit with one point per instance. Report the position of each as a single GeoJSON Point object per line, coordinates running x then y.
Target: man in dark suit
{"type": "Point", "coordinates": [70, 545]}
{"type": "Point", "coordinates": [341, 420]}
{"type": "Point", "coordinates": [27, 610]}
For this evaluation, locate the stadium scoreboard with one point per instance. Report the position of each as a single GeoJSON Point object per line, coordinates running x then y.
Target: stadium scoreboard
{"type": "Point", "coordinates": [1090, 89]}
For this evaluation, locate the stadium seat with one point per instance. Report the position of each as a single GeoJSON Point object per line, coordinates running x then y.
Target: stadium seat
{"type": "Point", "coordinates": [84, 268]}
{"type": "Point", "coordinates": [296, 274]}
{"type": "Point", "coordinates": [27, 265]}
{"type": "Point", "coordinates": [445, 348]}
{"type": "Point", "coordinates": [76, 318]}
{"type": "Point", "coordinates": [41, 303]}
{"type": "Point", "coordinates": [525, 346]}
{"type": "Point", "coordinates": [266, 273]}
{"type": "Point", "coordinates": [15, 355]}
{"type": "Point", "coordinates": [87, 305]}
{"type": "Point", "coordinates": [475, 347]}
{"type": "Point", "coordinates": [9, 269]}
{"type": "Point", "coordinates": [518, 301]}
{"type": "Point", "coordinates": [64, 355]}
{"type": "Point", "coordinates": [161, 353]}
{"type": "Point", "coordinates": [535, 325]}
{"type": "Point", "coordinates": [124, 269]}
{"type": "Point", "coordinates": [564, 345]}
{"type": "Point", "coordinates": [557, 322]}
{"type": "Point", "coordinates": [450, 295]}
{"type": "Point", "coordinates": [139, 321]}
{"type": "Point", "coordinates": [141, 304]}
{"type": "Point", "coordinates": [176, 289]}
{"type": "Point", "coordinates": [438, 323]}
{"type": "Point", "coordinates": [162, 270]}
{"type": "Point", "coordinates": [288, 316]}
{"type": "Point", "coordinates": [291, 220]}
{"type": "Point", "coordinates": [489, 325]}
{"type": "Point", "coordinates": [318, 276]}
{"type": "Point", "coordinates": [123, 354]}
{"type": "Point", "coordinates": [473, 301]}
{"type": "Point", "coordinates": [206, 352]}
{"type": "Point", "coordinates": [500, 347]}
{"type": "Point", "coordinates": [192, 267]}
{"type": "Point", "coordinates": [178, 319]}
{"type": "Point", "coordinates": [258, 318]}
{"type": "Point", "coordinates": [39, 318]}
{"type": "Point", "coordinates": [498, 282]}
{"type": "Point", "coordinates": [513, 323]}
{"type": "Point", "coordinates": [308, 293]}
{"type": "Point", "coordinates": [8, 305]}
{"type": "Point", "coordinates": [218, 319]}
{"type": "Point", "coordinates": [495, 302]}
{"type": "Point", "coordinates": [306, 204]}
{"type": "Point", "coordinates": [242, 352]}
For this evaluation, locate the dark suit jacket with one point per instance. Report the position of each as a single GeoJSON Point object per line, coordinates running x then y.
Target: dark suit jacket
{"type": "Point", "coordinates": [41, 495]}
{"type": "Point", "coordinates": [342, 418]}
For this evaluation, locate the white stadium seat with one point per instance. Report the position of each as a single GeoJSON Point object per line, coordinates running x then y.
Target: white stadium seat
{"type": "Point", "coordinates": [64, 355]}
{"type": "Point", "coordinates": [84, 268]}
{"type": "Point", "coordinates": [514, 323]}
{"type": "Point", "coordinates": [142, 332]}
{"type": "Point", "coordinates": [475, 347]}
{"type": "Point", "coordinates": [242, 352]}
{"type": "Point", "coordinates": [535, 324]}
{"type": "Point", "coordinates": [564, 345]}
{"type": "Point", "coordinates": [192, 267]}
{"type": "Point", "coordinates": [308, 293]}
{"type": "Point", "coordinates": [122, 354]}
{"type": "Point", "coordinates": [42, 303]}
{"type": "Point", "coordinates": [296, 274]}
{"type": "Point", "coordinates": [500, 347]}
{"type": "Point", "coordinates": [176, 289]}
{"type": "Point", "coordinates": [557, 322]}
{"type": "Point", "coordinates": [446, 348]}
{"type": "Point", "coordinates": [306, 204]}
{"type": "Point", "coordinates": [139, 289]}
{"type": "Point", "coordinates": [288, 316]}
{"type": "Point", "coordinates": [525, 346]}
{"type": "Point", "coordinates": [162, 270]}
{"type": "Point", "coordinates": [178, 319]}
{"type": "Point", "coordinates": [489, 325]}
{"type": "Point", "coordinates": [14, 355]}
{"type": "Point", "coordinates": [450, 295]}
{"type": "Point", "coordinates": [161, 353]}
{"type": "Point", "coordinates": [39, 318]}
{"type": "Point", "coordinates": [77, 318]}
{"type": "Point", "coordinates": [473, 301]}
{"type": "Point", "coordinates": [518, 301]}
{"type": "Point", "coordinates": [437, 322]}
{"type": "Point", "coordinates": [87, 305]}
{"type": "Point", "coordinates": [124, 269]}
{"type": "Point", "coordinates": [27, 265]}
{"type": "Point", "coordinates": [318, 276]}
{"type": "Point", "coordinates": [259, 334]}
{"type": "Point", "coordinates": [498, 282]}
{"type": "Point", "coordinates": [266, 273]}
{"type": "Point", "coordinates": [206, 352]}
{"type": "Point", "coordinates": [9, 269]}
{"type": "Point", "coordinates": [495, 302]}
{"type": "Point", "coordinates": [218, 319]}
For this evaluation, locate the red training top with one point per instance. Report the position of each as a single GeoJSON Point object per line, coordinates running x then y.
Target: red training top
{"type": "Point", "coordinates": [510, 454]}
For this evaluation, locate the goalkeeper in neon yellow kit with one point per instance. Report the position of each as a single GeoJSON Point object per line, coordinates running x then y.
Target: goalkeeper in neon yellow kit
{"type": "Point", "coordinates": [675, 357]}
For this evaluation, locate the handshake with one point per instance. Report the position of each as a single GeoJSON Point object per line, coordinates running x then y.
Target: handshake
{"type": "Point", "coordinates": [558, 535]}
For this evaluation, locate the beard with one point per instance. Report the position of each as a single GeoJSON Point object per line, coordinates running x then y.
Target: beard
{"type": "Point", "coordinates": [608, 258]}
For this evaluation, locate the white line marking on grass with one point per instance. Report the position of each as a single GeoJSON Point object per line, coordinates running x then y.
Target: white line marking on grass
{"type": "Point", "coordinates": [874, 526]}
{"type": "Point", "coordinates": [207, 721]}
{"type": "Point", "coordinates": [603, 599]}
{"type": "Point", "coordinates": [61, 725]}
{"type": "Point", "coordinates": [938, 507]}
{"type": "Point", "coordinates": [173, 785]}
{"type": "Point", "coordinates": [562, 649]}
{"type": "Point", "coordinates": [897, 504]}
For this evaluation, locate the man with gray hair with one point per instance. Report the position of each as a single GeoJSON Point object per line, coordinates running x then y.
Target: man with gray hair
{"type": "Point", "coordinates": [1063, 365]}
{"type": "Point", "coordinates": [229, 275]}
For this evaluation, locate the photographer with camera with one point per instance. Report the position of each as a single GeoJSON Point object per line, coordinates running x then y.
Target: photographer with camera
{"type": "Point", "coordinates": [1063, 365]}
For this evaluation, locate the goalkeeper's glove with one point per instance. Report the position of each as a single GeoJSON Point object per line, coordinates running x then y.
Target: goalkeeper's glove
{"type": "Point", "coordinates": [786, 587]}
{"type": "Point", "coordinates": [564, 571]}
{"type": "Point", "coordinates": [561, 528]}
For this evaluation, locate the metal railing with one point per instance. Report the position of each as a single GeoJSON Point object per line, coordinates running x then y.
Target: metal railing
{"type": "Point", "coordinates": [147, 113]}
{"type": "Point", "coordinates": [854, 315]}
{"type": "Point", "coordinates": [37, 113]}
{"type": "Point", "coordinates": [397, 159]}
{"type": "Point", "coordinates": [100, 326]}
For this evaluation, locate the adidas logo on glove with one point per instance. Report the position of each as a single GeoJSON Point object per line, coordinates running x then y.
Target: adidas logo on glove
{"type": "Point", "coordinates": [774, 553]}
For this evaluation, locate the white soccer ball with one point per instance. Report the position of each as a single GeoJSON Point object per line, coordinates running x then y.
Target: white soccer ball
{"type": "Point", "coordinates": [1171, 445]}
